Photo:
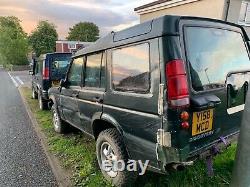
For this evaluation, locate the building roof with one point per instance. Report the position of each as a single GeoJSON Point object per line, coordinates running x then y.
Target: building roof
{"type": "Point", "coordinates": [151, 4]}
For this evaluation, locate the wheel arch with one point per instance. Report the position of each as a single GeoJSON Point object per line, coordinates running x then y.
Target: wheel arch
{"type": "Point", "coordinates": [102, 122]}
{"type": "Point", "coordinates": [105, 121]}
{"type": "Point", "coordinates": [52, 100]}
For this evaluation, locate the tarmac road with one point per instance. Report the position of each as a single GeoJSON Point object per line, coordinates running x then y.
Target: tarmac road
{"type": "Point", "coordinates": [22, 160]}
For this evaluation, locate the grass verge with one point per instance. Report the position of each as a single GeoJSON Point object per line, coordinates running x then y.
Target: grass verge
{"type": "Point", "coordinates": [76, 153]}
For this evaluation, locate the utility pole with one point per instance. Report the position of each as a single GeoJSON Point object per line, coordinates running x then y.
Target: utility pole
{"type": "Point", "coordinates": [241, 171]}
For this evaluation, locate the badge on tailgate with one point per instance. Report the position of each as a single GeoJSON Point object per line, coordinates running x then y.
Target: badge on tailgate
{"type": "Point", "coordinates": [202, 122]}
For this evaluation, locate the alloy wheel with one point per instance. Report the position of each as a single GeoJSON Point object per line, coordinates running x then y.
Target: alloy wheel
{"type": "Point", "coordinates": [108, 155]}
{"type": "Point", "coordinates": [55, 120]}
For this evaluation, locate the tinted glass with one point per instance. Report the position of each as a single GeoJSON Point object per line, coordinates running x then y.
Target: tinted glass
{"type": "Point", "coordinates": [213, 53]}
{"type": "Point", "coordinates": [131, 69]}
{"type": "Point", "coordinates": [75, 72]}
{"type": "Point", "coordinates": [59, 66]}
{"type": "Point", "coordinates": [103, 72]}
{"type": "Point", "coordinates": [92, 72]}
{"type": "Point", "coordinates": [39, 65]}
{"type": "Point", "coordinates": [36, 67]}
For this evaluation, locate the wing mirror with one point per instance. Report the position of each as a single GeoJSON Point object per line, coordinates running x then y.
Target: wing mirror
{"type": "Point", "coordinates": [62, 84]}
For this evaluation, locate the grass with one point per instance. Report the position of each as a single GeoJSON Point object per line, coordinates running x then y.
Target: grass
{"type": "Point", "coordinates": [76, 153]}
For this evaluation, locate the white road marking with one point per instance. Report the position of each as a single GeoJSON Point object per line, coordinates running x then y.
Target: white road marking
{"type": "Point", "coordinates": [19, 80]}
{"type": "Point", "coordinates": [13, 80]}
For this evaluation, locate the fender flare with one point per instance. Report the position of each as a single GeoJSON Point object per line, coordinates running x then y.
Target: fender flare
{"type": "Point", "coordinates": [108, 118]}
{"type": "Point", "coordinates": [52, 97]}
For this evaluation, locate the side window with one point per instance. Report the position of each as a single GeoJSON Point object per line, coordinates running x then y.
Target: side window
{"type": "Point", "coordinates": [130, 69]}
{"type": "Point", "coordinates": [93, 70]}
{"type": "Point", "coordinates": [75, 72]}
{"type": "Point", "coordinates": [36, 67]}
{"type": "Point", "coordinates": [39, 67]}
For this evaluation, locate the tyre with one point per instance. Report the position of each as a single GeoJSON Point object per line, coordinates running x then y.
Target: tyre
{"type": "Point", "coordinates": [59, 125]}
{"type": "Point", "coordinates": [34, 94]}
{"type": "Point", "coordinates": [110, 148]}
{"type": "Point", "coordinates": [43, 105]}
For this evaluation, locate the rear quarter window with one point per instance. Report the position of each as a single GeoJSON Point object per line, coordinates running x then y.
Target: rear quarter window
{"type": "Point", "coordinates": [130, 69]}
{"type": "Point", "coordinates": [212, 53]}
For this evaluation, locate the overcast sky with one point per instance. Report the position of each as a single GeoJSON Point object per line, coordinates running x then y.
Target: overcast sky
{"type": "Point", "coordinates": [107, 14]}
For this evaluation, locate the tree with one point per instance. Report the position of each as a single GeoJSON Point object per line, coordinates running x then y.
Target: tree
{"type": "Point", "coordinates": [43, 38]}
{"type": "Point", "coordinates": [14, 46]}
{"type": "Point", "coordinates": [84, 31]}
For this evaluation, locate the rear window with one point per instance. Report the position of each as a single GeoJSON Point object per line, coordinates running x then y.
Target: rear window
{"type": "Point", "coordinates": [59, 66]}
{"type": "Point", "coordinates": [212, 53]}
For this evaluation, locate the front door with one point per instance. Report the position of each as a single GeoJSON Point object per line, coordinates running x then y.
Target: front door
{"type": "Point", "coordinates": [91, 96]}
{"type": "Point", "coordinates": [69, 95]}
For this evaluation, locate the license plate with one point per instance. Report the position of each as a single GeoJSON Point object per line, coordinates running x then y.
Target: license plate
{"type": "Point", "coordinates": [202, 122]}
{"type": "Point", "coordinates": [55, 83]}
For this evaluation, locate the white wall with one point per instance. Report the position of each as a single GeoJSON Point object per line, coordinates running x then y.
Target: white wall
{"type": "Point", "coordinates": [203, 8]}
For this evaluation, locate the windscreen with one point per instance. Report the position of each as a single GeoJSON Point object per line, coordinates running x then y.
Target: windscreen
{"type": "Point", "coordinates": [59, 66]}
{"type": "Point", "coordinates": [212, 53]}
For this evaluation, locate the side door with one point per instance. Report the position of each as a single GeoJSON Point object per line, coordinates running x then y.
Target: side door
{"type": "Point", "coordinates": [132, 96]}
{"type": "Point", "coordinates": [69, 95]}
{"type": "Point", "coordinates": [92, 93]}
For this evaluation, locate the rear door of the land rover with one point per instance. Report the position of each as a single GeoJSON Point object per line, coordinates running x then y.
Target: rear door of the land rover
{"type": "Point", "coordinates": [218, 72]}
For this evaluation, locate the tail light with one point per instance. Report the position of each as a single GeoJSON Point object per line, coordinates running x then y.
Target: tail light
{"type": "Point", "coordinates": [184, 116]}
{"type": "Point", "coordinates": [185, 125]}
{"type": "Point", "coordinates": [177, 86]}
{"type": "Point", "coordinates": [46, 73]}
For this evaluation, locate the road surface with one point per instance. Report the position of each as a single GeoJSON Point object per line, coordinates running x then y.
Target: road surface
{"type": "Point", "coordinates": [22, 160]}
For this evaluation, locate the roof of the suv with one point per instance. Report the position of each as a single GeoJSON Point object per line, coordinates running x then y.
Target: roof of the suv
{"type": "Point", "coordinates": [165, 25]}
{"type": "Point", "coordinates": [55, 53]}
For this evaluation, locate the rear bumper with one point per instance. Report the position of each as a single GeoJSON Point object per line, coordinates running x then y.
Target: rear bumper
{"type": "Point", "coordinates": [168, 155]}
{"type": "Point", "coordinates": [205, 151]}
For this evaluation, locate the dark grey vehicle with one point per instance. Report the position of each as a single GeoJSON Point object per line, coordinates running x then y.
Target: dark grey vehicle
{"type": "Point", "coordinates": [47, 71]}
{"type": "Point", "coordinates": [168, 91]}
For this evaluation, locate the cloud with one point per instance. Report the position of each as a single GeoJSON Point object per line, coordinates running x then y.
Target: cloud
{"type": "Point", "coordinates": [107, 14]}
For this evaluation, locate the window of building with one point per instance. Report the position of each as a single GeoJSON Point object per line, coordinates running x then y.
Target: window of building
{"type": "Point", "coordinates": [130, 69]}
{"type": "Point", "coordinates": [244, 18]}
{"type": "Point", "coordinates": [75, 72]}
{"type": "Point", "coordinates": [72, 46]}
{"type": "Point", "coordinates": [93, 70]}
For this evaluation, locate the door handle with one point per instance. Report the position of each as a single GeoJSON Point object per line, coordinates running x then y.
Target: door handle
{"type": "Point", "coordinates": [75, 95]}
{"type": "Point", "coordinates": [98, 99]}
